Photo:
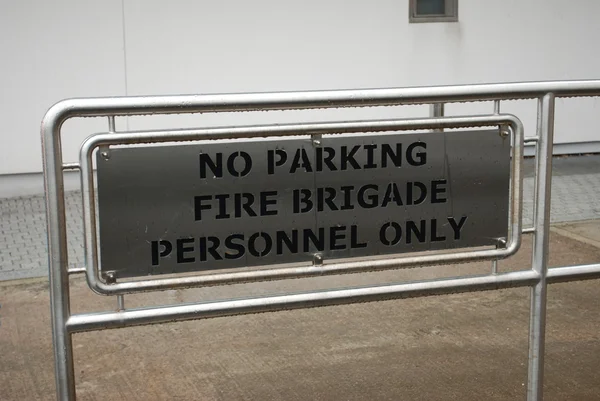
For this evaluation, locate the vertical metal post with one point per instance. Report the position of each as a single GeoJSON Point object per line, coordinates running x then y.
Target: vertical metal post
{"type": "Point", "coordinates": [537, 327]}
{"type": "Point", "coordinates": [111, 123]}
{"type": "Point", "coordinates": [497, 111]}
{"type": "Point", "coordinates": [536, 157]}
{"type": "Point", "coordinates": [436, 110]}
{"type": "Point", "coordinates": [58, 257]}
{"type": "Point", "coordinates": [120, 298]}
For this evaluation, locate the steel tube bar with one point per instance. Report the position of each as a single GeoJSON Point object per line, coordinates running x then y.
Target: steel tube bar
{"type": "Point", "coordinates": [70, 166]}
{"type": "Point", "coordinates": [91, 248]}
{"type": "Point", "coordinates": [111, 123]}
{"type": "Point", "coordinates": [436, 110]}
{"type": "Point", "coordinates": [573, 273]}
{"type": "Point", "coordinates": [58, 259]}
{"type": "Point", "coordinates": [120, 302]}
{"type": "Point", "coordinates": [134, 317]}
{"type": "Point", "coordinates": [84, 322]}
{"type": "Point", "coordinates": [537, 333]}
{"type": "Point", "coordinates": [320, 128]}
{"type": "Point", "coordinates": [536, 155]}
{"type": "Point", "coordinates": [139, 105]}
{"type": "Point", "coordinates": [528, 230]}
{"type": "Point", "coordinates": [76, 270]}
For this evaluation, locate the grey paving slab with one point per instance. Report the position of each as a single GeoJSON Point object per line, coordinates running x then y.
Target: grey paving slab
{"type": "Point", "coordinates": [575, 196]}
{"type": "Point", "coordinates": [23, 242]}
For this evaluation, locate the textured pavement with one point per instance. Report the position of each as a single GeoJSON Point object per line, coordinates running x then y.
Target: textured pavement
{"type": "Point", "coordinates": [462, 347]}
{"type": "Point", "coordinates": [23, 242]}
{"type": "Point", "coordinates": [23, 253]}
{"type": "Point", "coordinates": [457, 347]}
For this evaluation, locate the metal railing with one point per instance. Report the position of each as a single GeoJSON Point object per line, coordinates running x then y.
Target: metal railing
{"type": "Point", "coordinates": [64, 324]}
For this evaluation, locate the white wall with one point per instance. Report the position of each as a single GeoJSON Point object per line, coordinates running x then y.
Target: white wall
{"type": "Point", "coordinates": [52, 50]}
{"type": "Point", "coordinates": [68, 48]}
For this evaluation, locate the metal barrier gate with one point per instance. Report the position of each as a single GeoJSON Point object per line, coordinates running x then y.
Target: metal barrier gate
{"type": "Point", "coordinates": [64, 324]}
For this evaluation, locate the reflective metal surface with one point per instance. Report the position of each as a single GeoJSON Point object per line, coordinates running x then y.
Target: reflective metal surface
{"type": "Point", "coordinates": [174, 104]}
{"type": "Point", "coordinates": [63, 324]}
{"type": "Point", "coordinates": [541, 221]}
{"type": "Point", "coordinates": [103, 286]}
{"type": "Point", "coordinates": [195, 207]}
{"type": "Point", "coordinates": [136, 317]}
{"type": "Point", "coordinates": [203, 310]}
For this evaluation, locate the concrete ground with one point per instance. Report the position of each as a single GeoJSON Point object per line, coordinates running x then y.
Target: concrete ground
{"type": "Point", "coordinates": [456, 347]}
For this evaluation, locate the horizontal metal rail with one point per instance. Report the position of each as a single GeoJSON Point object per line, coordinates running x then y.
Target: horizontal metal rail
{"type": "Point", "coordinates": [70, 166]}
{"type": "Point", "coordinates": [133, 317]}
{"type": "Point", "coordinates": [573, 273]}
{"type": "Point", "coordinates": [140, 105]}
